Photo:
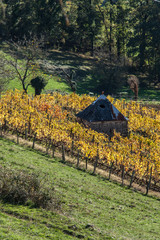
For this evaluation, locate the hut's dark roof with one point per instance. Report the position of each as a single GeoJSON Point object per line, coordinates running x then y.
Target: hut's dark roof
{"type": "Point", "coordinates": [101, 110]}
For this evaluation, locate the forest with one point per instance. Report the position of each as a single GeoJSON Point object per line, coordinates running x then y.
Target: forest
{"type": "Point", "coordinates": [124, 35]}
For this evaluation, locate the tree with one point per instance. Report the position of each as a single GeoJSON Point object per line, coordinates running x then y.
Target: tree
{"type": "Point", "coordinates": [2, 18]}
{"type": "Point", "coordinates": [38, 84]}
{"type": "Point", "coordinates": [144, 44]}
{"type": "Point", "coordinates": [108, 15]}
{"type": "Point", "coordinates": [153, 47]}
{"type": "Point", "coordinates": [133, 84]}
{"type": "Point", "coordinates": [122, 28]}
{"type": "Point", "coordinates": [86, 24]}
{"type": "Point", "coordinates": [39, 17]}
{"type": "Point", "coordinates": [22, 62]}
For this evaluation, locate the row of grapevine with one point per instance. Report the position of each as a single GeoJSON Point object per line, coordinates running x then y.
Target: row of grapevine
{"type": "Point", "coordinates": [52, 120]}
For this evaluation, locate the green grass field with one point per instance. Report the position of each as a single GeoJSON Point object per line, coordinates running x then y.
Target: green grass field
{"type": "Point", "coordinates": [52, 85]}
{"type": "Point", "coordinates": [91, 206]}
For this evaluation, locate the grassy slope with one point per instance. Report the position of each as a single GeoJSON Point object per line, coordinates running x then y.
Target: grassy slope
{"type": "Point", "coordinates": [83, 66]}
{"type": "Point", "coordinates": [91, 206]}
{"type": "Point", "coordinates": [52, 84]}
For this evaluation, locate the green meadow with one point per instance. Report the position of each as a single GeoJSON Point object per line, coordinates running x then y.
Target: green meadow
{"type": "Point", "coordinates": [90, 207]}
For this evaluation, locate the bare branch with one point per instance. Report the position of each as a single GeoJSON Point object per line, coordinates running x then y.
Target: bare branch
{"type": "Point", "coordinates": [70, 78]}
{"type": "Point", "coordinates": [23, 54]}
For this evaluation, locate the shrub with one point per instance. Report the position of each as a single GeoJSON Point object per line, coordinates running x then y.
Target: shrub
{"type": "Point", "coordinates": [38, 84]}
{"type": "Point", "coordinates": [19, 187]}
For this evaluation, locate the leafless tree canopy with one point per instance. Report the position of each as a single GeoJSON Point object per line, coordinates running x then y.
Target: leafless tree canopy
{"type": "Point", "coordinates": [69, 76]}
{"type": "Point", "coordinates": [21, 62]}
{"type": "Point", "coordinates": [133, 84]}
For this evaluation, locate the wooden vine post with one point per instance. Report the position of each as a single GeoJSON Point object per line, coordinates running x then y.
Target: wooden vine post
{"type": "Point", "coordinates": [140, 144]}
{"type": "Point", "coordinates": [48, 145]}
{"type": "Point", "coordinates": [131, 148]}
{"type": "Point", "coordinates": [29, 124]}
{"type": "Point", "coordinates": [86, 163]}
{"type": "Point", "coordinates": [132, 177]}
{"type": "Point", "coordinates": [110, 170]}
{"type": "Point", "coordinates": [17, 136]}
{"type": "Point", "coordinates": [5, 125]}
{"type": "Point", "coordinates": [1, 134]}
{"type": "Point", "coordinates": [96, 162]}
{"type": "Point", "coordinates": [123, 169]}
{"type": "Point", "coordinates": [63, 153]}
{"type": "Point", "coordinates": [78, 160]}
{"type": "Point", "coordinates": [53, 150]}
{"type": "Point", "coordinates": [72, 148]}
{"type": "Point", "coordinates": [149, 182]}
{"type": "Point", "coordinates": [133, 172]}
{"type": "Point", "coordinates": [34, 139]}
{"type": "Point", "coordinates": [25, 131]}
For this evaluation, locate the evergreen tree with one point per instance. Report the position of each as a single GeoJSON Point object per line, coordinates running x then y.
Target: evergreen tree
{"type": "Point", "coordinates": [2, 19]}
{"type": "Point", "coordinates": [122, 28]}
{"type": "Point", "coordinates": [87, 24]}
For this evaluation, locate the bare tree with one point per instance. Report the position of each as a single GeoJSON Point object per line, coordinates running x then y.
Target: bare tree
{"type": "Point", "coordinates": [69, 76]}
{"type": "Point", "coordinates": [21, 62]}
{"type": "Point", "coordinates": [133, 84]}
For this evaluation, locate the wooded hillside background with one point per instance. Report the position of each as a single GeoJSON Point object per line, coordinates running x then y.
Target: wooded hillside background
{"type": "Point", "coordinates": [123, 32]}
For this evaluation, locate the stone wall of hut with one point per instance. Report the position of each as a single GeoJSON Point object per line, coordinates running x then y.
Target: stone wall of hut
{"type": "Point", "coordinates": [109, 127]}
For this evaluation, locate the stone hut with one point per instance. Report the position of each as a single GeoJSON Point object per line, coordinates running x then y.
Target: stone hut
{"type": "Point", "coordinates": [103, 116]}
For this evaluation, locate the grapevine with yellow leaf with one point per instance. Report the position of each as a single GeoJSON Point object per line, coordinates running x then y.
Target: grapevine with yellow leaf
{"type": "Point", "coordinates": [52, 119]}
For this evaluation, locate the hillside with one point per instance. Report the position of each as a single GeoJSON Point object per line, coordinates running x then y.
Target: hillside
{"type": "Point", "coordinates": [90, 75]}
{"type": "Point", "coordinates": [59, 178]}
{"type": "Point", "coordinates": [91, 207]}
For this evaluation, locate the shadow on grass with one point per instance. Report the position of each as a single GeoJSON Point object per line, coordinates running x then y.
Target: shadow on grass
{"type": "Point", "coordinates": [149, 94]}
{"type": "Point", "coordinates": [92, 75]}
{"type": "Point", "coordinates": [81, 64]}
{"type": "Point", "coordinates": [71, 59]}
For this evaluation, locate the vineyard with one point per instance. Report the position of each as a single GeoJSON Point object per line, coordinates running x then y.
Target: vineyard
{"type": "Point", "coordinates": [50, 119]}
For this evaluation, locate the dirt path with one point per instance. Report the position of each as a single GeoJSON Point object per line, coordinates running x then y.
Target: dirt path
{"type": "Point", "coordinates": [82, 165]}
